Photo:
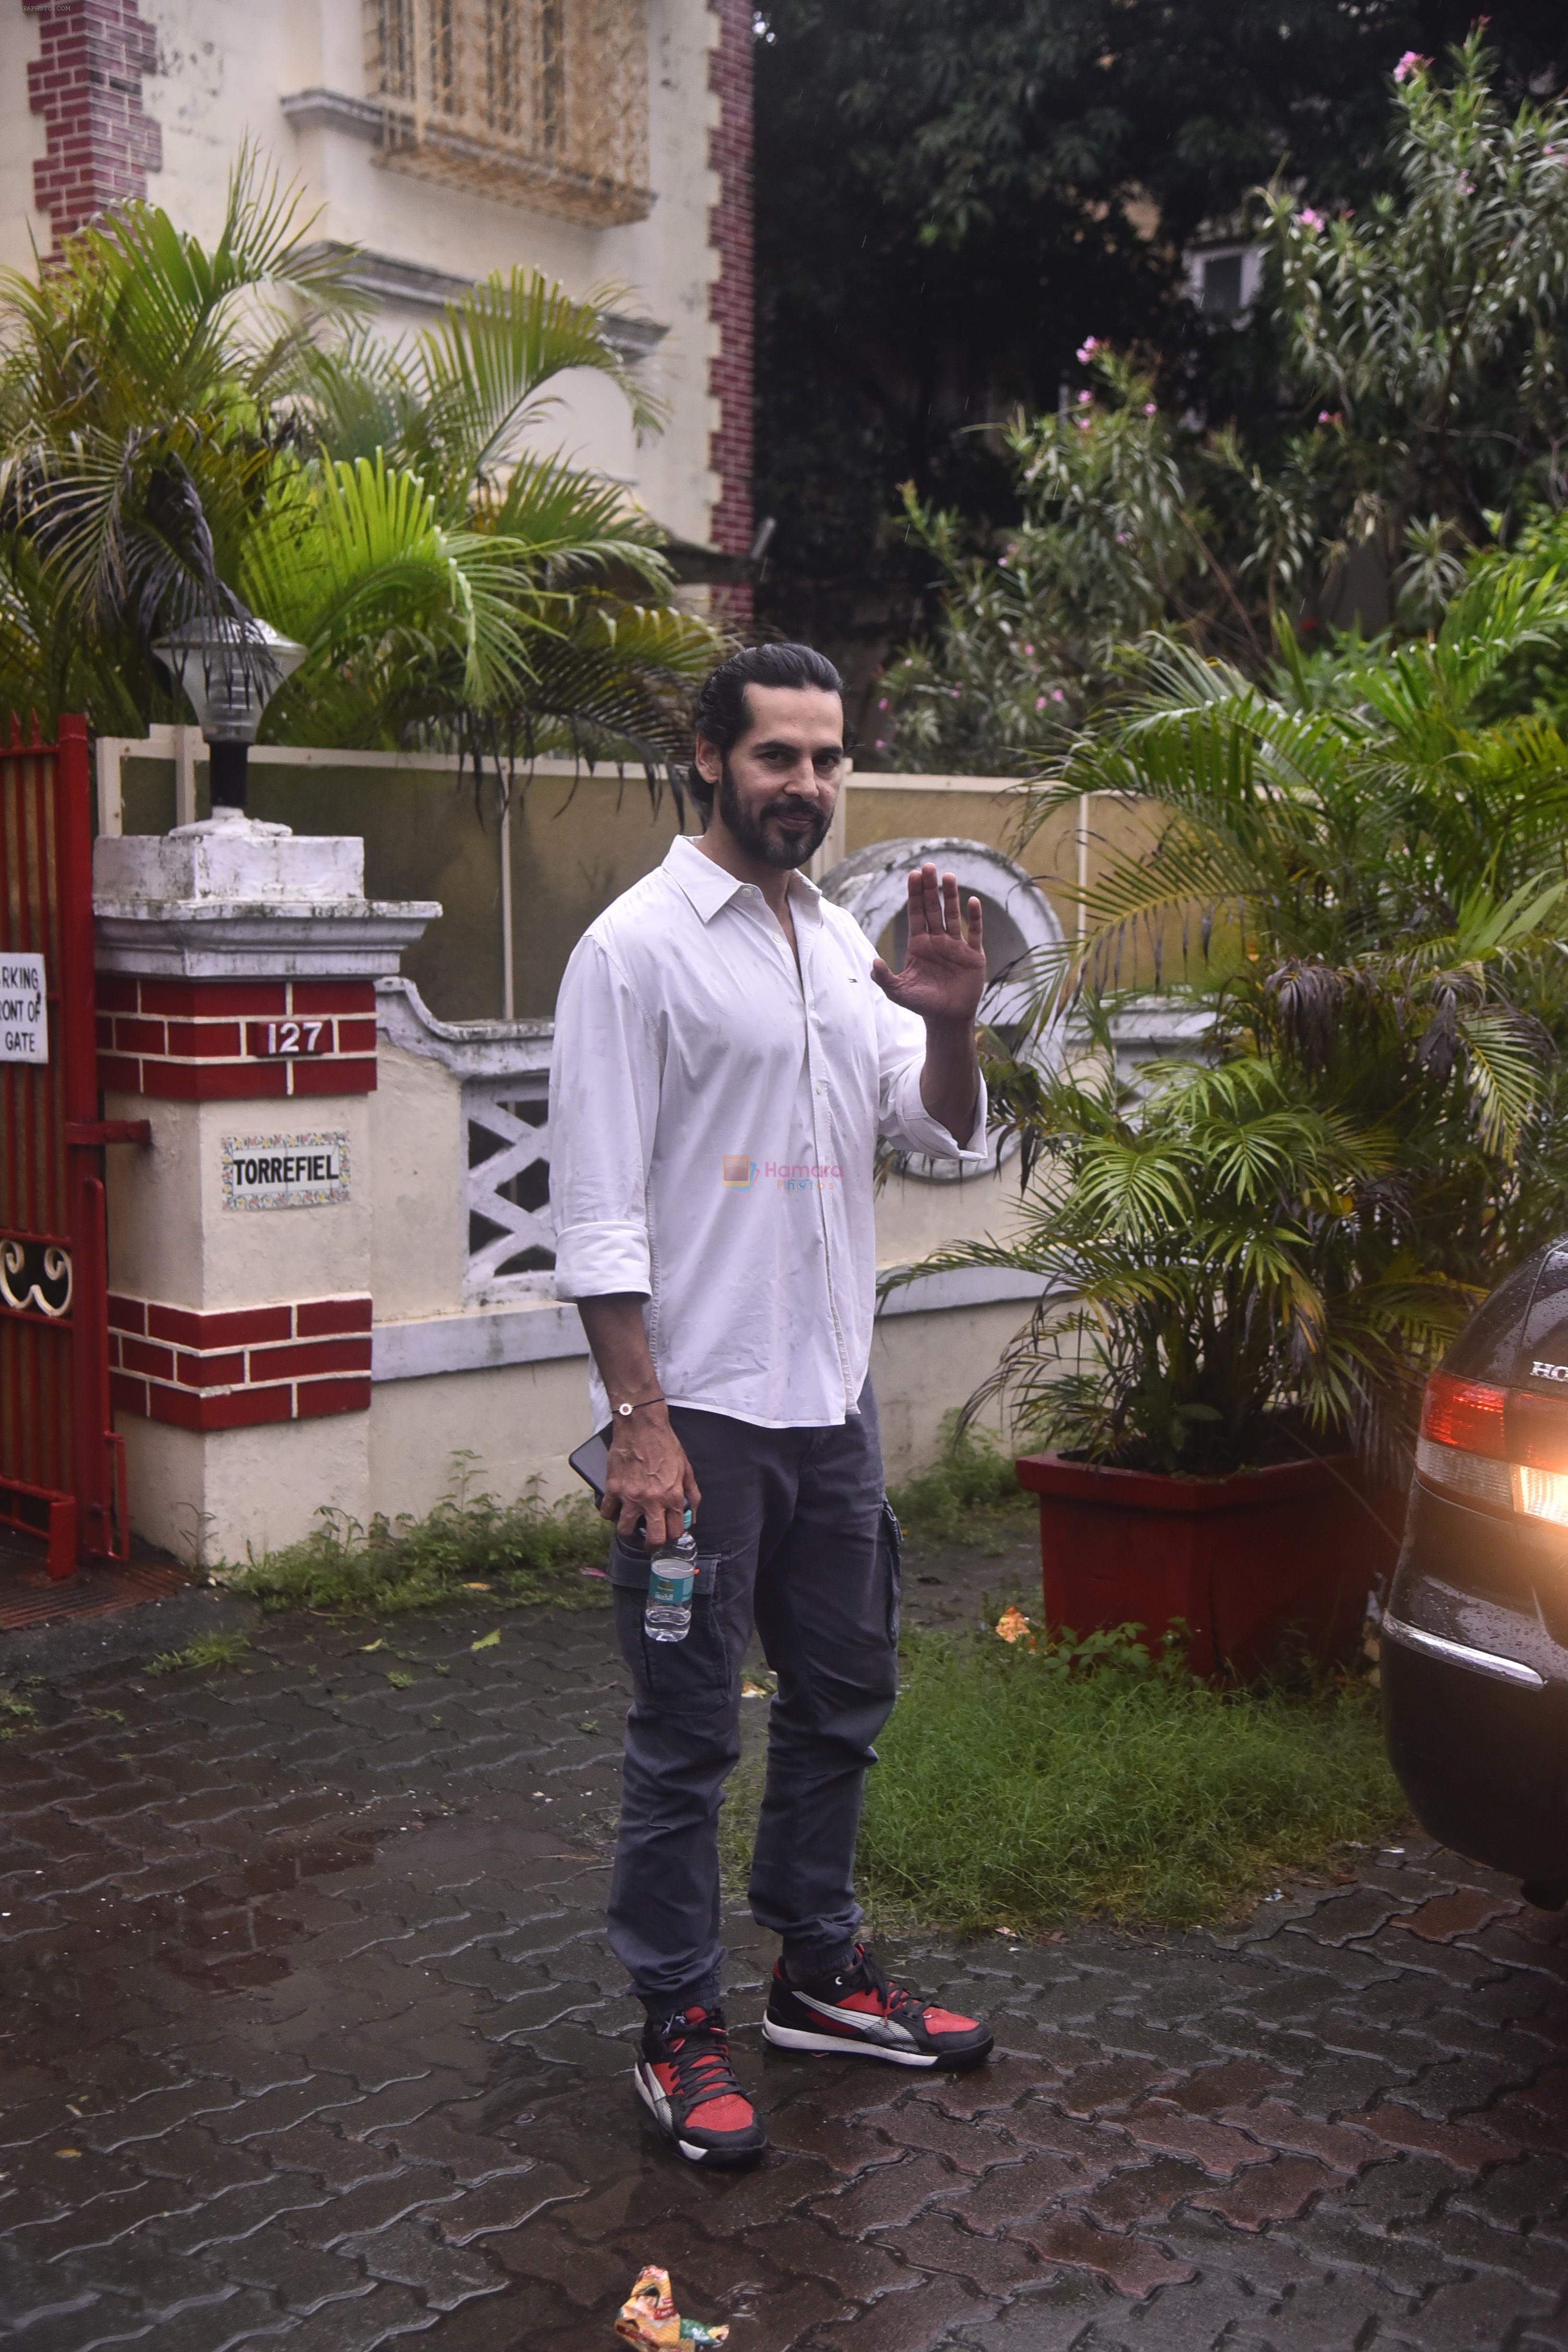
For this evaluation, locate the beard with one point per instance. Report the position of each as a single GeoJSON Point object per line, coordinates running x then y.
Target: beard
{"type": "Point", "coordinates": [759, 833]}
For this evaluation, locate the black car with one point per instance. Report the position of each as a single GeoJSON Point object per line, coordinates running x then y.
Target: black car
{"type": "Point", "coordinates": [1475, 1634]}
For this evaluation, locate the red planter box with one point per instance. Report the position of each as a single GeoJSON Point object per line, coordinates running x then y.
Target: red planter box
{"type": "Point", "coordinates": [1265, 1558]}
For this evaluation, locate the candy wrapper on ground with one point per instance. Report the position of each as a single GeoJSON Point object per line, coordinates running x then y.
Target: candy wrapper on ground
{"type": "Point", "coordinates": [648, 2316]}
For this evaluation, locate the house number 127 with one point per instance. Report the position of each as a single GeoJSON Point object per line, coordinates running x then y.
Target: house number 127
{"type": "Point", "coordinates": [293, 1036]}
{"type": "Point", "coordinates": [273, 1038]}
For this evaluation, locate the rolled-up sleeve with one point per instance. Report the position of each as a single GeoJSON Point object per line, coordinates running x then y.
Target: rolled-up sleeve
{"type": "Point", "coordinates": [902, 1116]}
{"type": "Point", "coordinates": [604, 1104]}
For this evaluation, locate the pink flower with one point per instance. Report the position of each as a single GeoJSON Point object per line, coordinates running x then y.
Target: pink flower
{"type": "Point", "coordinates": [1087, 350]}
{"type": "Point", "coordinates": [1039, 702]}
{"type": "Point", "coordinates": [1084, 396]}
{"type": "Point", "coordinates": [1082, 423]}
{"type": "Point", "coordinates": [1056, 694]}
{"type": "Point", "coordinates": [1308, 218]}
{"type": "Point", "coordinates": [1148, 408]}
{"type": "Point", "coordinates": [1002, 564]}
{"type": "Point", "coordinates": [880, 745]}
{"type": "Point", "coordinates": [1029, 649]}
{"type": "Point", "coordinates": [954, 691]}
{"type": "Point", "coordinates": [883, 704]}
{"type": "Point", "coordinates": [1410, 63]}
{"type": "Point", "coordinates": [1123, 538]}
{"type": "Point", "coordinates": [1330, 416]}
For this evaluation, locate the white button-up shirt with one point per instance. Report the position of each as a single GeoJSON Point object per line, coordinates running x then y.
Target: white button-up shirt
{"type": "Point", "coordinates": [712, 1135]}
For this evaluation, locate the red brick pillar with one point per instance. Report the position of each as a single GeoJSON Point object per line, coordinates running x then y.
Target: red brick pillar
{"type": "Point", "coordinates": [250, 1041]}
{"type": "Point", "coordinates": [237, 965]}
{"type": "Point", "coordinates": [86, 82]}
{"type": "Point", "coordinates": [729, 295]}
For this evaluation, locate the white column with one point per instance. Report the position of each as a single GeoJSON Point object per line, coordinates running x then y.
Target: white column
{"type": "Point", "coordinates": [237, 969]}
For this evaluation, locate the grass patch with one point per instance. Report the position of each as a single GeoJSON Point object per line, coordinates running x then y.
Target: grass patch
{"type": "Point", "coordinates": [1090, 1782]}
{"type": "Point", "coordinates": [970, 1495]}
{"type": "Point", "coordinates": [213, 1650]}
{"type": "Point", "coordinates": [522, 1553]}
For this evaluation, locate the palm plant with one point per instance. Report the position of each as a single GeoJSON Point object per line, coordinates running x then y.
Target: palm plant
{"type": "Point", "coordinates": [1225, 1274]}
{"type": "Point", "coordinates": [609, 659]}
{"type": "Point", "coordinates": [186, 430]}
{"type": "Point", "coordinates": [1341, 802]}
{"type": "Point", "coordinates": [1361, 867]}
{"type": "Point", "coordinates": [1367, 869]}
{"type": "Point", "coordinates": [1536, 679]}
{"type": "Point", "coordinates": [144, 389]}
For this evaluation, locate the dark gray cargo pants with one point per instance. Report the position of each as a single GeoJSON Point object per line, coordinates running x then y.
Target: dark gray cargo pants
{"type": "Point", "coordinates": [792, 1535]}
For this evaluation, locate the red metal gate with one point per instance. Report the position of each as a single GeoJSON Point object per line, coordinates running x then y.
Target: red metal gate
{"type": "Point", "coordinates": [62, 1469]}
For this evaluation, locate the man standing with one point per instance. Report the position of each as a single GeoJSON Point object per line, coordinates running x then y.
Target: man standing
{"type": "Point", "coordinates": [726, 1050]}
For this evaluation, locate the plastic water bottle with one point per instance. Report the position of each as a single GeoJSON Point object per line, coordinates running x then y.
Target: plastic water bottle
{"type": "Point", "coordinates": [671, 1582]}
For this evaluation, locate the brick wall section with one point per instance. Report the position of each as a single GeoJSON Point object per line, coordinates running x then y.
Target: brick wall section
{"type": "Point", "coordinates": [86, 82]}
{"type": "Point", "coordinates": [234, 1040]}
{"type": "Point", "coordinates": [233, 1368]}
{"type": "Point", "coordinates": [730, 296]}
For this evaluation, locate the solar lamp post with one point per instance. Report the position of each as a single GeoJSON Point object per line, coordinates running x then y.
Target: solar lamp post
{"type": "Point", "coordinates": [228, 670]}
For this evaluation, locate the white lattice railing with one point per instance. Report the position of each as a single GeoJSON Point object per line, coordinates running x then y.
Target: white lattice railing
{"type": "Point", "coordinates": [512, 1238]}
{"type": "Point", "coordinates": [502, 1070]}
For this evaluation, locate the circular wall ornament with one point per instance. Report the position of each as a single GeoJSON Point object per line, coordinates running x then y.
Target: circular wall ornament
{"type": "Point", "coordinates": [1020, 927]}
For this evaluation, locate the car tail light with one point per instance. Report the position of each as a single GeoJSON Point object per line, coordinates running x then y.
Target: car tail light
{"type": "Point", "coordinates": [1540, 1494]}
{"type": "Point", "coordinates": [1464, 1413]}
{"type": "Point", "coordinates": [1497, 1449]}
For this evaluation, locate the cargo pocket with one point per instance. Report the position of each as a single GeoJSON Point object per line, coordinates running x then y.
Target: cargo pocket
{"type": "Point", "coordinates": [697, 1669]}
{"type": "Point", "coordinates": [892, 1566]}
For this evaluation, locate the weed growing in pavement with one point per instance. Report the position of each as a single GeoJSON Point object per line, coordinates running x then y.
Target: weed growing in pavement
{"type": "Point", "coordinates": [521, 1553]}
{"type": "Point", "coordinates": [213, 1650]}
{"type": "Point", "coordinates": [970, 1495]}
{"type": "Point", "coordinates": [18, 1713]}
{"type": "Point", "coordinates": [1089, 1780]}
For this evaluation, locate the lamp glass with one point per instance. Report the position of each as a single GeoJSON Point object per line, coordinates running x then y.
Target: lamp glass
{"type": "Point", "coordinates": [229, 671]}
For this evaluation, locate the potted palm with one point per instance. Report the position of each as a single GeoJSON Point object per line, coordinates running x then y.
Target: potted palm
{"type": "Point", "coordinates": [1218, 1325]}
{"type": "Point", "coordinates": [1247, 1270]}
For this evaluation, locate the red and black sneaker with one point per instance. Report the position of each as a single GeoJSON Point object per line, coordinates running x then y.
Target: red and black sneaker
{"type": "Point", "coordinates": [684, 2075]}
{"type": "Point", "coordinates": [859, 2011]}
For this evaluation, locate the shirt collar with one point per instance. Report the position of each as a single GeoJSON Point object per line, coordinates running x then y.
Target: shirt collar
{"type": "Point", "coordinates": [710, 887]}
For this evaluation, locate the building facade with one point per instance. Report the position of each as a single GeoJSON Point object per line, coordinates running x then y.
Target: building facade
{"type": "Point", "coordinates": [607, 142]}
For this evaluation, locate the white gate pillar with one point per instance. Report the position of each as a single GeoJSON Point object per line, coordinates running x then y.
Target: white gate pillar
{"type": "Point", "coordinates": [236, 966]}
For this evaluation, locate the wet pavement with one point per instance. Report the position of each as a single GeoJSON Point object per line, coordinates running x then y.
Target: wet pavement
{"type": "Point", "coordinates": [308, 2035]}
{"type": "Point", "coordinates": [32, 1600]}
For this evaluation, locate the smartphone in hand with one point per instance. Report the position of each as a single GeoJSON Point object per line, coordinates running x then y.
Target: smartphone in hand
{"type": "Point", "coordinates": [591, 1463]}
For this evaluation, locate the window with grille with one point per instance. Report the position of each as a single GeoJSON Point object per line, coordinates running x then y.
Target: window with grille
{"type": "Point", "coordinates": [544, 101]}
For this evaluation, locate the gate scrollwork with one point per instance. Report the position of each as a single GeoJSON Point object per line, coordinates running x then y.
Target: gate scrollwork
{"type": "Point", "coordinates": [35, 1277]}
